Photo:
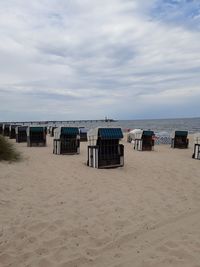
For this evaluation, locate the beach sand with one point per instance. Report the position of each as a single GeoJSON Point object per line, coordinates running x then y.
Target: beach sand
{"type": "Point", "coordinates": [57, 212]}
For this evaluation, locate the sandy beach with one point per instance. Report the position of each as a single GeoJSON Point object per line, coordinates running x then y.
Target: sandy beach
{"type": "Point", "coordinates": [57, 212]}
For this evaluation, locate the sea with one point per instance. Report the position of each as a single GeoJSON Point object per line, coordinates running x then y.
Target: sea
{"type": "Point", "coordinates": [157, 125]}
{"type": "Point", "coordinates": [167, 125]}
{"type": "Point", "coordinates": [192, 125]}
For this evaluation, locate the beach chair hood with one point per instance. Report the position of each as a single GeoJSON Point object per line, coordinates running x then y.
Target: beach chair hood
{"type": "Point", "coordinates": [105, 133]}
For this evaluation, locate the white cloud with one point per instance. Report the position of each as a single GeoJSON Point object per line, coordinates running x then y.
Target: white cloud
{"type": "Point", "coordinates": [105, 56]}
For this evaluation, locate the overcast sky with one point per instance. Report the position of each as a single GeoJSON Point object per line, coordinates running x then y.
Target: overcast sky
{"type": "Point", "coordinates": [87, 59]}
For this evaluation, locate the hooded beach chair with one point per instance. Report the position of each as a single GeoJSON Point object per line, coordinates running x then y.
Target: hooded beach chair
{"type": "Point", "coordinates": [6, 129]}
{"type": "Point", "coordinates": [36, 136]}
{"type": "Point", "coordinates": [1, 128]}
{"type": "Point", "coordinates": [66, 140]}
{"type": "Point", "coordinates": [196, 154]}
{"type": "Point", "coordinates": [104, 150]}
{"type": "Point", "coordinates": [143, 140]}
{"type": "Point", "coordinates": [180, 139]}
{"type": "Point", "coordinates": [51, 130]}
{"type": "Point", "coordinates": [83, 134]}
{"type": "Point", "coordinates": [12, 131]}
{"type": "Point", "coordinates": [21, 134]}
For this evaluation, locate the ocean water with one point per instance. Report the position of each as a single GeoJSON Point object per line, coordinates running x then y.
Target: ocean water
{"type": "Point", "coordinates": [168, 125]}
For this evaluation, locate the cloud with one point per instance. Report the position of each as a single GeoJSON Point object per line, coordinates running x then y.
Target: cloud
{"type": "Point", "coordinates": [84, 59]}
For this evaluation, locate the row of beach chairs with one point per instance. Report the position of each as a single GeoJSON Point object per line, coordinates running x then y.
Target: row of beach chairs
{"type": "Point", "coordinates": [144, 140]}
{"type": "Point", "coordinates": [104, 148]}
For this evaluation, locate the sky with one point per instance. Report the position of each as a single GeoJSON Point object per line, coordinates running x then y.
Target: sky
{"type": "Point", "coordinates": [87, 59]}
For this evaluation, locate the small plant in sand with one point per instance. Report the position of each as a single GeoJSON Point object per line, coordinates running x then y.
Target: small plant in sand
{"type": "Point", "coordinates": [8, 151]}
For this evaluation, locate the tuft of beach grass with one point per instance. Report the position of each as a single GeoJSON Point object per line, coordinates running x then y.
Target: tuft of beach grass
{"type": "Point", "coordinates": [8, 151]}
